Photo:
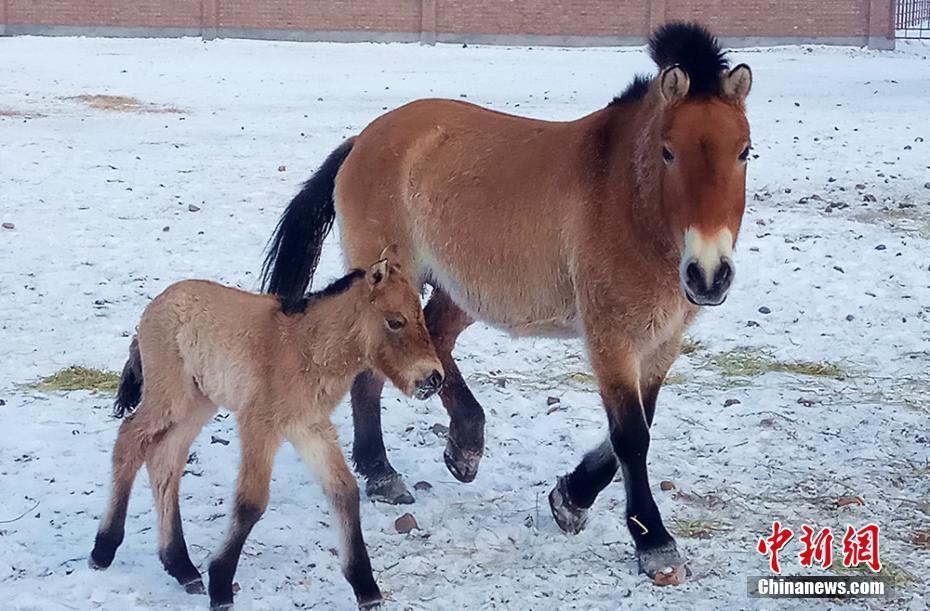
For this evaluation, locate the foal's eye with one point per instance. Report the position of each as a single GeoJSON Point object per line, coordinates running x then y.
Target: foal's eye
{"type": "Point", "coordinates": [744, 155]}
{"type": "Point", "coordinates": [667, 155]}
{"type": "Point", "coordinates": [395, 324]}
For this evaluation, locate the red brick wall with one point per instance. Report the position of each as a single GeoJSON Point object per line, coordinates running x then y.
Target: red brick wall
{"type": "Point", "coordinates": [544, 17]}
{"type": "Point", "coordinates": [849, 19]}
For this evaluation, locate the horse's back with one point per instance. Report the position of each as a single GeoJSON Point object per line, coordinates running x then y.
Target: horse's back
{"type": "Point", "coordinates": [483, 201]}
{"type": "Point", "coordinates": [206, 332]}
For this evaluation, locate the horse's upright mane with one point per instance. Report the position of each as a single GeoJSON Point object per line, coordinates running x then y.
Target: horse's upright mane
{"type": "Point", "coordinates": [690, 46]}
{"type": "Point", "coordinates": [336, 287]}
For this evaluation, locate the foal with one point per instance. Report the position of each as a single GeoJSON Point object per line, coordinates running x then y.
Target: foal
{"type": "Point", "coordinates": [201, 345]}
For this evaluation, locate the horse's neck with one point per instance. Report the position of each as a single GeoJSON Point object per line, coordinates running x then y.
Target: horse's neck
{"type": "Point", "coordinates": [330, 335]}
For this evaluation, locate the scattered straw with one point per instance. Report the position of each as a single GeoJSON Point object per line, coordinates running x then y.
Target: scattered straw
{"type": "Point", "coordinates": [79, 378]}
{"type": "Point", "coordinates": [122, 103]}
{"type": "Point", "coordinates": [747, 362]}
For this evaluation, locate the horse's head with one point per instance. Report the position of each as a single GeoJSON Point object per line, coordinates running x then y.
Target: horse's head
{"type": "Point", "coordinates": [398, 343]}
{"type": "Point", "coordinates": [702, 152]}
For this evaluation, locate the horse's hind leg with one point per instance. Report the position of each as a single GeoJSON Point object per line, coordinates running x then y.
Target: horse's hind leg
{"type": "Point", "coordinates": [132, 441]}
{"type": "Point", "coordinates": [465, 446]}
{"type": "Point", "coordinates": [318, 445]}
{"type": "Point", "coordinates": [165, 462]}
{"type": "Point", "coordinates": [382, 481]}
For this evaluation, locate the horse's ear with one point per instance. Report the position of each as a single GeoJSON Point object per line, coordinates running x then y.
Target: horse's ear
{"type": "Point", "coordinates": [377, 273]}
{"type": "Point", "coordinates": [390, 253]}
{"type": "Point", "coordinates": [674, 83]}
{"type": "Point", "coordinates": [737, 83]}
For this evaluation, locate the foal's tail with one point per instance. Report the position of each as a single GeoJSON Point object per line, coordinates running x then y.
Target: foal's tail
{"type": "Point", "coordinates": [129, 393]}
{"type": "Point", "coordinates": [294, 249]}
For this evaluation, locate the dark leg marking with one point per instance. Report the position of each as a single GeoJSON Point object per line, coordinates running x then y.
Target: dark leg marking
{"type": "Point", "coordinates": [629, 434]}
{"type": "Point", "coordinates": [223, 567]}
{"type": "Point", "coordinates": [382, 481]}
{"type": "Point", "coordinates": [177, 561]}
{"type": "Point", "coordinates": [108, 539]}
{"type": "Point", "coordinates": [574, 493]}
{"type": "Point", "coordinates": [356, 566]}
{"type": "Point", "coordinates": [465, 446]}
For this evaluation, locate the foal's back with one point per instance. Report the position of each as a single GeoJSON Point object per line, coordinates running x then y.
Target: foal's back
{"type": "Point", "coordinates": [216, 337]}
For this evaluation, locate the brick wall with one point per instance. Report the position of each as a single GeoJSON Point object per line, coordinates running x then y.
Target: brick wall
{"type": "Point", "coordinates": [515, 21]}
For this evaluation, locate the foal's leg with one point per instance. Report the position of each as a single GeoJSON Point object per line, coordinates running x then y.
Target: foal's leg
{"type": "Point", "coordinates": [132, 441]}
{"type": "Point", "coordinates": [318, 445]}
{"type": "Point", "coordinates": [165, 462]}
{"type": "Point", "coordinates": [465, 445]}
{"type": "Point", "coordinates": [382, 481]}
{"type": "Point", "coordinates": [259, 445]}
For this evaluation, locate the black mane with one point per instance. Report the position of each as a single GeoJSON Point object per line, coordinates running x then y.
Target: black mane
{"type": "Point", "coordinates": [336, 287]}
{"type": "Point", "coordinates": [690, 46]}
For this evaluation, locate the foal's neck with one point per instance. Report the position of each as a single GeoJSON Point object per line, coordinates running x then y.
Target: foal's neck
{"type": "Point", "coordinates": [329, 333]}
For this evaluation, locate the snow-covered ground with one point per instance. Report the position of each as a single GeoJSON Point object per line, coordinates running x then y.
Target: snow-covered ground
{"type": "Point", "coordinates": [835, 250]}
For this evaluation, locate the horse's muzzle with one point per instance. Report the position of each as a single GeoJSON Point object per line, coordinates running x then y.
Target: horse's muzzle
{"type": "Point", "coordinates": [429, 386]}
{"type": "Point", "coordinates": [707, 287]}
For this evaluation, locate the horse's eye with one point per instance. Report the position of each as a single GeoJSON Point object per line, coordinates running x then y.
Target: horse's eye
{"type": "Point", "coordinates": [395, 324]}
{"type": "Point", "coordinates": [667, 155]}
{"type": "Point", "coordinates": [744, 155]}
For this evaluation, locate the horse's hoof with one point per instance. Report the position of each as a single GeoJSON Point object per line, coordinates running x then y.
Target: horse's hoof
{"type": "Point", "coordinates": [374, 603]}
{"type": "Point", "coordinates": [570, 517]}
{"type": "Point", "coordinates": [664, 565]}
{"type": "Point", "coordinates": [222, 606]}
{"type": "Point", "coordinates": [391, 490]}
{"type": "Point", "coordinates": [99, 561]}
{"type": "Point", "coordinates": [195, 587]}
{"type": "Point", "coordinates": [462, 464]}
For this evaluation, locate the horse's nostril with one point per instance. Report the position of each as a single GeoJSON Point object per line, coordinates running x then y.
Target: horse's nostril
{"type": "Point", "coordinates": [694, 275]}
{"type": "Point", "coordinates": [723, 275]}
{"type": "Point", "coordinates": [434, 380]}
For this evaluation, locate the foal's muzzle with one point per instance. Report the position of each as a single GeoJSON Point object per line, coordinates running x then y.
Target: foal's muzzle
{"type": "Point", "coordinates": [428, 386]}
{"type": "Point", "coordinates": [707, 287]}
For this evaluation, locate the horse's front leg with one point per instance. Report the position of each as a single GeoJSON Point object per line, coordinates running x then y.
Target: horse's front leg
{"type": "Point", "coordinates": [465, 446]}
{"type": "Point", "coordinates": [629, 395]}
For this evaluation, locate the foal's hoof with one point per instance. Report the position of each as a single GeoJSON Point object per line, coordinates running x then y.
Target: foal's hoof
{"type": "Point", "coordinates": [391, 490]}
{"type": "Point", "coordinates": [664, 565]}
{"type": "Point", "coordinates": [195, 587]}
{"type": "Point", "coordinates": [570, 517]}
{"type": "Point", "coordinates": [462, 463]}
{"type": "Point", "coordinates": [374, 603]}
{"type": "Point", "coordinates": [100, 561]}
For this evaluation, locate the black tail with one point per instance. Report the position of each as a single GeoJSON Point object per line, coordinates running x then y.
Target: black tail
{"type": "Point", "coordinates": [294, 249]}
{"type": "Point", "coordinates": [129, 393]}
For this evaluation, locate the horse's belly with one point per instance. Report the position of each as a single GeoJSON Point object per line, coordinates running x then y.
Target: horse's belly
{"type": "Point", "coordinates": [513, 301]}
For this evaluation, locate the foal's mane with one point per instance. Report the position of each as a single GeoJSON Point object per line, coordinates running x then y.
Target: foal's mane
{"type": "Point", "coordinates": [690, 46]}
{"type": "Point", "coordinates": [336, 287]}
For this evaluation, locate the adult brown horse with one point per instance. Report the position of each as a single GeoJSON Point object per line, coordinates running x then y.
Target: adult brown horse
{"type": "Point", "coordinates": [614, 227]}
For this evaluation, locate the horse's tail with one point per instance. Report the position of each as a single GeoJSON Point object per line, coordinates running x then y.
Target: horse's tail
{"type": "Point", "coordinates": [129, 393]}
{"type": "Point", "coordinates": [294, 249]}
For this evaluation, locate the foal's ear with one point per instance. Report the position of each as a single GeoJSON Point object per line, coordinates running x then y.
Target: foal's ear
{"type": "Point", "coordinates": [377, 273]}
{"type": "Point", "coordinates": [674, 83]}
{"type": "Point", "coordinates": [389, 252]}
{"type": "Point", "coordinates": [737, 83]}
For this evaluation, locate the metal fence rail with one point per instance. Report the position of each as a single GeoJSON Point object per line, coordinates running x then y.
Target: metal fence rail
{"type": "Point", "coordinates": [912, 19]}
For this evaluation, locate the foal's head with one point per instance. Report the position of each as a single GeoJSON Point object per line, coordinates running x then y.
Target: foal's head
{"type": "Point", "coordinates": [394, 330]}
{"type": "Point", "coordinates": [702, 153]}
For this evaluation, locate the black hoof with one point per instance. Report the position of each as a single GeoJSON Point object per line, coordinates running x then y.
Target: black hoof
{"type": "Point", "coordinates": [195, 587]}
{"type": "Point", "coordinates": [373, 603]}
{"type": "Point", "coordinates": [570, 517]}
{"type": "Point", "coordinates": [391, 490]}
{"type": "Point", "coordinates": [462, 463]}
{"type": "Point", "coordinates": [221, 606]}
{"type": "Point", "coordinates": [664, 565]}
{"type": "Point", "coordinates": [101, 559]}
